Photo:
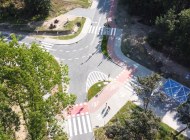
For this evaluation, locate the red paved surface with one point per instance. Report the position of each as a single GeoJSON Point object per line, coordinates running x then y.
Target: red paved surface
{"type": "Point", "coordinates": [123, 76]}
{"type": "Point", "coordinates": [77, 109]}
{"type": "Point", "coordinates": [109, 91]}
{"type": "Point", "coordinates": [114, 86]}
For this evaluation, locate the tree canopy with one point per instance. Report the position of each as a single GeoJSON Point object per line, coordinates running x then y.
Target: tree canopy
{"type": "Point", "coordinates": [141, 126]}
{"type": "Point", "coordinates": [183, 114]}
{"type": "Point", "coordinates": [145, 86]}
{"type": "Point", "coordinates": [26, 75]}
{"type": "Point", "coordinates": [172, 21]}
{"type": "Point", "coordinates": [24, 9]}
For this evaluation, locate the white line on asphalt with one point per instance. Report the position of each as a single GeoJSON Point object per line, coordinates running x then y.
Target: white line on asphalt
{"type": "Point", "coordinates": [76, 58]}
{"type": "Point", "coordinates": [90, 29]}
{"type": "Point", "coordinates": [80, 49]}
{"type": "Point", "coordinates": [74, 50]}
{"type": "Point", "coordinates": [79, 124]}
{"type": "Point", "coordinates": [114, 31]}
{"type": "Point", "coordinates": [84, 124]}
{"type": "Point", "coordinates": [67, 51]}
{"type": "Point", "coordinates": [70, 128]}
{"type": "Point", "coordinates": [50, 49]}
{"type": "Point", "coordinates": [83, 56]}
{"type": "Point", "coordinates": [96, 30]}
{"type": "Point", "coordinates": [75, 127]}
{"type": "Point", "coordinates": [93, 29]}
{"type": "Point", "coordinates": [70, 59]}
{"type": "Point", "coordinates": [88, 122]}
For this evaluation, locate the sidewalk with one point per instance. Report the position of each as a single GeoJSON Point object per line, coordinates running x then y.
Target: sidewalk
{"type": "Point", "coordinates": [83, 33]}
{"type": "Point", "coordinates": [79, 12]}
{"type": "Point", "coordinates": [121, 96]}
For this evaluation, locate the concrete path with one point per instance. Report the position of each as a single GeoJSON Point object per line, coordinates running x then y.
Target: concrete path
{"type": "Point", "coordinates": [115, 95]}
{"type": "Point", "coordinates": [78, 12]}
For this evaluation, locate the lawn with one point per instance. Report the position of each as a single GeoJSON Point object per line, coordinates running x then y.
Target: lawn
{"type": "Point", "coordinates": [124, 113]}
{"type": "Point", "coordinates": [95, 89]}
{"type": "Point", "coordinates": [104, 46]}
{"type": "Point", "coordinates": [70, 25]}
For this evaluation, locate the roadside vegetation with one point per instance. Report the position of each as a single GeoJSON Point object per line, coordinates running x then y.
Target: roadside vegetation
{"type": "Point", "coordinates": [26, 75]}
{"type": "Point", "coordinates": [96, 88]}
{"type": "Point", "coordinates": [23, 11]}
{"type": "Point", "coordinates": [104, 46]}
{"type": "Point", "coordinates": [171, 20]}
{"type": "Point", "coordinates": [132, 122]}
{"type": "Point", "coordinates": [78, 23]}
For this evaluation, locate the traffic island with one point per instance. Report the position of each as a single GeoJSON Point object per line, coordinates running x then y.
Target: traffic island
{"type": "Point", "coordinates": [96, 88]}
{"type": "Point", "coordinates": [104, 46]}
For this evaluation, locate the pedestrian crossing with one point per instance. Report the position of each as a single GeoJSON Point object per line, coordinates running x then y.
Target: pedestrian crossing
{"type": "Point", "coordinates": [102, 30]}
{"type": "Point", "coordinates": [79, 124]}
{"type": "Point", "coordinates": [46, 46]}
{"type": "Point", "coordinates": [95, 77]}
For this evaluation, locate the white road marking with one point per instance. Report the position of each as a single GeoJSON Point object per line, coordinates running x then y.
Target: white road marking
{"type": "Point", "coordinates": [111, 31]}
{"type": "Point", "coordinates": [88, 122]}
{"type": "Point", "coordinates": [75, 127]}
{"type": "Point", "coordinates": [114, 31]}
{"type": "Point", "coordinates": [76, 58]}
{"type": "Point", "coordinates": [96, 29]}
{"type": "Point", "coordinates": [84, 124]}
{"type": "Point", "coordinates": [93, 27]}
{"type": "Point", "coordinates": [67, 51]}
{"type": "Point", "coordinates": [70, 128]}
{"type": "Point", "coordinates": [79, 124]}
{"type": "Point", "coordinates": [90, 29]}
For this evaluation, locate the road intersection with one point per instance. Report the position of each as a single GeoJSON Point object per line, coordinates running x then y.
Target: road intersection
{"type": "Point", "coordinates": [84, 57]}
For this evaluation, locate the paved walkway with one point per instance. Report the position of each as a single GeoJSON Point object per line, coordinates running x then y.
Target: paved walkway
{"type": "Point", "coordinates": [115, 95]}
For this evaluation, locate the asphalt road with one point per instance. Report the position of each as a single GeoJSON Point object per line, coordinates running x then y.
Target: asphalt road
{"type": "Point", "coordinates": [85, 56]}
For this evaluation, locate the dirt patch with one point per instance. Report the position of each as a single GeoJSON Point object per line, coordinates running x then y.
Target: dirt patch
{"type": "Point", "coordinates": [22, 133]}
{"type": "Point", "coordinates": [134, 46]}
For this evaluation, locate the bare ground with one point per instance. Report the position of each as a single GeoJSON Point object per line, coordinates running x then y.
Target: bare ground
{"type": "Point", "coordinates": [134, 46]}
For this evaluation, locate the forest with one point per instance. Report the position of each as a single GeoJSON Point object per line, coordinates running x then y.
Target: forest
{"type": "Point", "coordinates": [20, 10]}
{"type": "Point", "coordinates": [171, 20]}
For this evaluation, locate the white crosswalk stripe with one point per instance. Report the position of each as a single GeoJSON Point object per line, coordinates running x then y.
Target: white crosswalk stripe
{"type": "Point", "coordinates": [95, 77]}
{"type": "Point", "coordinates": [46, 45]}
{"type": "Point", "coordinates": [102, 30]}
{"type": "Point", "coordinates": [79, 125]}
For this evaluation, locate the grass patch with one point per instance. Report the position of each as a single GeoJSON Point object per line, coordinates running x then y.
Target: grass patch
{"type": "Point", "coordinates": [104, 46]}
{"type": "Point", "coordinates": [70, 25]}
{"type": "Point", "coordinates": [164, 132]}
{"type": "Point", "coordinates": [95, 89]}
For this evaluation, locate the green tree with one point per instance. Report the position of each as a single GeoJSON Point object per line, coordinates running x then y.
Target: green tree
{"type": "Point", "coordinates": [140, 126]}
{"type": "Point", "coordinates": [39, 7]}
{"type": "Point", "coordinates": [145, 87]}
{"type": "Point", "coordinates": [184, 115]}
{"type": "Point", "coordinates": [167, 22]}
{"type": "Point", "coordinates": [26, 75]}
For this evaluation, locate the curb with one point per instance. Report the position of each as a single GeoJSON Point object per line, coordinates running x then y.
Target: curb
{"type": "Point", "coordinates": [83, 33]}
